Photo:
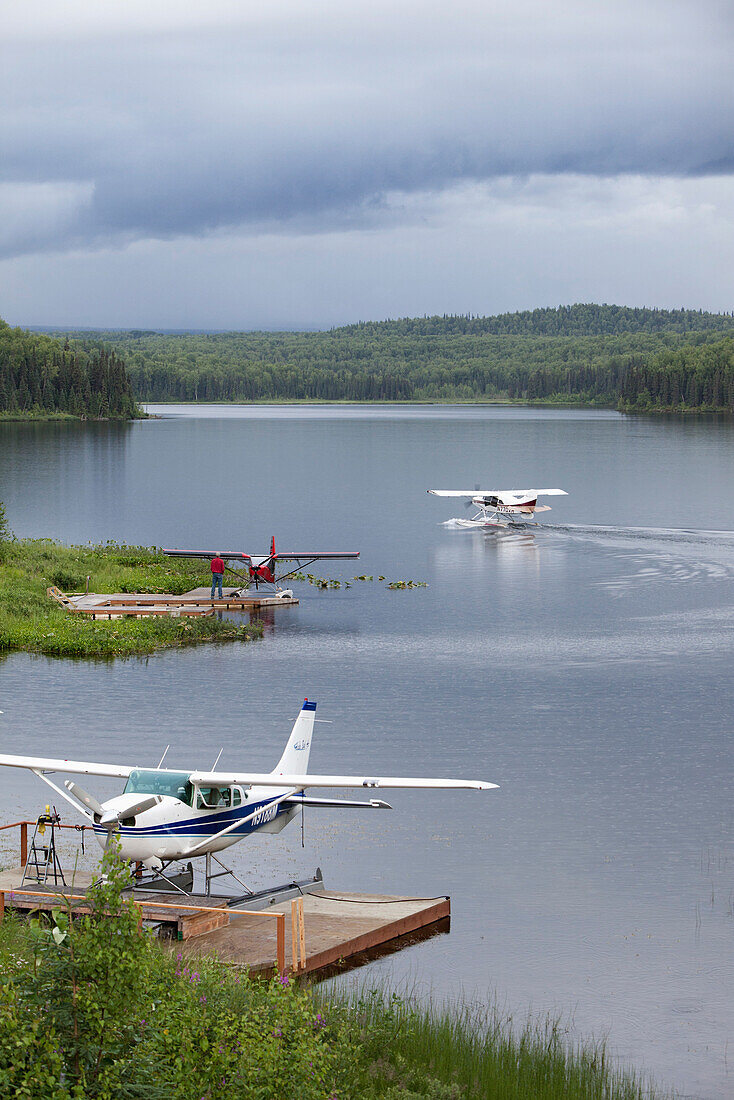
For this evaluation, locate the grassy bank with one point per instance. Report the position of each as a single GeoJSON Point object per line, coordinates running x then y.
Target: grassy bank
{"type": "Point", "coordinates": [79, 1018]}
{"type": "Point", "coordinates": [30, 620]}
{"type": "Point", "coordinates": [39, 414]}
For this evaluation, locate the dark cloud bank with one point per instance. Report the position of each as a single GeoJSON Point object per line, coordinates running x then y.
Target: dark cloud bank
{"type": "Point", "coordinates": [309, 116]}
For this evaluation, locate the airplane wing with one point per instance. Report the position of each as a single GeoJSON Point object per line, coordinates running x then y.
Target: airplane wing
{"type": "Point", "coordinates": [457, 492]}
{"type": "Point", "coordinates": [79, 767]}
{"type": "Point", "coordinates": [236, 555]}
{"type": "Point", "coordinates": [301, 782]}
{"type": "Point", "coordinates": [293, 555]}
{"type": "Point", "coordinates": [498, 492]}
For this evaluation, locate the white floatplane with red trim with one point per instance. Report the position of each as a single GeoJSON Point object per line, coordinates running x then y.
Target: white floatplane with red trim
{"type": "Point", "coordinates": [501, 507]}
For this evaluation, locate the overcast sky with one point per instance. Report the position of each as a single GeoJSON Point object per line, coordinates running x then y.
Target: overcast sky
{"type": "Point", "coordinates": [302, 163]}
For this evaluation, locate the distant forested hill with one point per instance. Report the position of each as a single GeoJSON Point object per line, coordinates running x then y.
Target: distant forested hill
{"type": "Point", "coordinates": [633, 359]}
{"type": "Point", "coordinates": [40, 376]}
{"type": "Point", "coordinates": [582, 319]}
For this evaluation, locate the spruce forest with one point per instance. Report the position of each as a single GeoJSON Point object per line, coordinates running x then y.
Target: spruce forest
{"type": "Point", "coordinates": [42, 377]}
{"type": "Point", "coordinates": [635, 360]}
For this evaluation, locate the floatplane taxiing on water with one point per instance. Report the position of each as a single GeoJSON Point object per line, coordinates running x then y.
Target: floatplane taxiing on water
{"type": "Point", "coordinates": [500, 507]}
{"type": "Point", "coordinates": [166, 816]}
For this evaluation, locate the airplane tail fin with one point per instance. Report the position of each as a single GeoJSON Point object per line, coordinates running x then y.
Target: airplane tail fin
{"type": "Point", "coordinates": [294, 760]}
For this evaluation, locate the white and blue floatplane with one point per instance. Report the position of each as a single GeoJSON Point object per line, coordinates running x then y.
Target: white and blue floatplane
{"type": "Point", "coordinates": [164, 816]}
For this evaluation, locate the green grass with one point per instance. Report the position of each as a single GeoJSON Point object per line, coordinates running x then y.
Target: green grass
{"type": "Point", "coordinates": [30, 620]}
{"type": "Point", "coordinates": [198, 1029]}
{"type": "Point", "coordinates": [411, 1049]}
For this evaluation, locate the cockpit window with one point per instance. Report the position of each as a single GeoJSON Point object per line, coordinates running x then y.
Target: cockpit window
{"type": "Point", "coordinates": [150, 781]}
{"type": "Point", "coordinates": [214, 798]}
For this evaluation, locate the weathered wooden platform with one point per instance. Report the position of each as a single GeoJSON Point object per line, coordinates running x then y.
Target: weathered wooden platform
{"type": "Point", "coordinates": [338, 930]}
{"type": "Point", "coordinates": [197, 602]}
{"type": "Point", "coordinates": [341, 930]}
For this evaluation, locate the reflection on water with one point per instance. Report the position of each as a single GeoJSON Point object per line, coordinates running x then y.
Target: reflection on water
{"type": "Point", "coordinates": [584, 664]}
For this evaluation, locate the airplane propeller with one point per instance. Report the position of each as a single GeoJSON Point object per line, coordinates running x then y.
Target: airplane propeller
{"type": "Point", "coordinates": [87, 800]}
{"type": "Point", "coordinates": [109, 819]}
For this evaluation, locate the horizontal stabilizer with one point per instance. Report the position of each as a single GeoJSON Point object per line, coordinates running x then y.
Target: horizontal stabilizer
{"type": "Point", "coordinates": [336, 803]}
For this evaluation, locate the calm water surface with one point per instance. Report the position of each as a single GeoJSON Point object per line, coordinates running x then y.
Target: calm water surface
{"type": "Point", "coordinates": [585, 666]}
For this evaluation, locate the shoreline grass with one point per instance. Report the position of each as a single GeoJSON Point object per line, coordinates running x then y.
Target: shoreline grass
{"type": "Point", "coordinates": [29, 415]}
{"type": "Point", "coordinates": [200, 1027]}
{"type": "Point", "coordinates": [32, 622]}
{"type": "Point", "coordinates": [452, 1050]}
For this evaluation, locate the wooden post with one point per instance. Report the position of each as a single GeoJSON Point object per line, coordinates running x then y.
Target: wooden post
{"type": "Point", "coordinates": [2, 904]}
{"type": "Point", "coordinates": [294, 932]}
{"type": "Point", "coordinates": [280, 948]}
{"type": "Point", "coordinates": [301, 934]}
{"type": "Point", "coordinates": [23, 843]}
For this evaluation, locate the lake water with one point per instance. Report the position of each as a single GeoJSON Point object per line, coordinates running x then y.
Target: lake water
{"type": "Point", "coordinates": [585, 666]}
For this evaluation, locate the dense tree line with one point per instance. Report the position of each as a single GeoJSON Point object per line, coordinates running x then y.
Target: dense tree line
{"type": "Point", "coordinates": [635, 359]}
{"type": "Point", "coordinates": [581, 319]}
{"type": "Point", "coordinates": [690, 377]}
{"type": "Point", "coordinates": [647, 370]}
{"type": "Point", "coordinates": [40, 375]}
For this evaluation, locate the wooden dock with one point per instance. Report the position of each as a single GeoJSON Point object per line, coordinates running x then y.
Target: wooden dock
{"type": "Point", "coordinates": [317, 933]}
{"type": "Point", "coordinates": [197, 602]}
{"type": "Point", "coordinates": [340, 931]}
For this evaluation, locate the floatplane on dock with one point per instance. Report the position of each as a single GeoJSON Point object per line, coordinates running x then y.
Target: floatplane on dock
{"type": "Point", "coordinates": [264, 568]}
{"type": "Point", "coordinates": [500, 507]}
{"type": "Point", "coordinates": [164, 816]}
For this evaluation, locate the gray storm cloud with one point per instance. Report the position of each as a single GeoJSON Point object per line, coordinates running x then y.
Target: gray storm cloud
{"type": "Point", "coordinates": [310, 116]}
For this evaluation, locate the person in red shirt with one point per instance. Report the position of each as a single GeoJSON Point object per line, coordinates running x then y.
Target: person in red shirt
{"type": "Point", "coordinates": [217, 574]}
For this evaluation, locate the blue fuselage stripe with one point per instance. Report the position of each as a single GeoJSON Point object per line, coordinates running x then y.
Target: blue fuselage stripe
{"type": "Point", "coordinates": [205, 826]}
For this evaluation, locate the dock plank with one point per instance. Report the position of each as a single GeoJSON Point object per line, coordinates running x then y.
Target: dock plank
{"type": "Point", "coordinates": [108, 605]}
{"type": "Point", "coordinates": [338, 927]}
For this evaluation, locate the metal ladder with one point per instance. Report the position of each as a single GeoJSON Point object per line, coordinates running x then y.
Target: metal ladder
{"type": "Point", "coordinates": [42, 865]}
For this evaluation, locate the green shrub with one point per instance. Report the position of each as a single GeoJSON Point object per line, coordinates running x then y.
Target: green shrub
{"type": "Point", "coordinates": [69, 582]}
{"type": "Point", "coordinates": [99, 1010]}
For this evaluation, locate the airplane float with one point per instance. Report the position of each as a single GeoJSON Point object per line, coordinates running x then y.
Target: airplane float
{"type": "Point", "coordinates": [263, 569]}
{"type": "Point", "coordinates": [501, 507]}
{"type": "Point", "coordinates": [164, 816]}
